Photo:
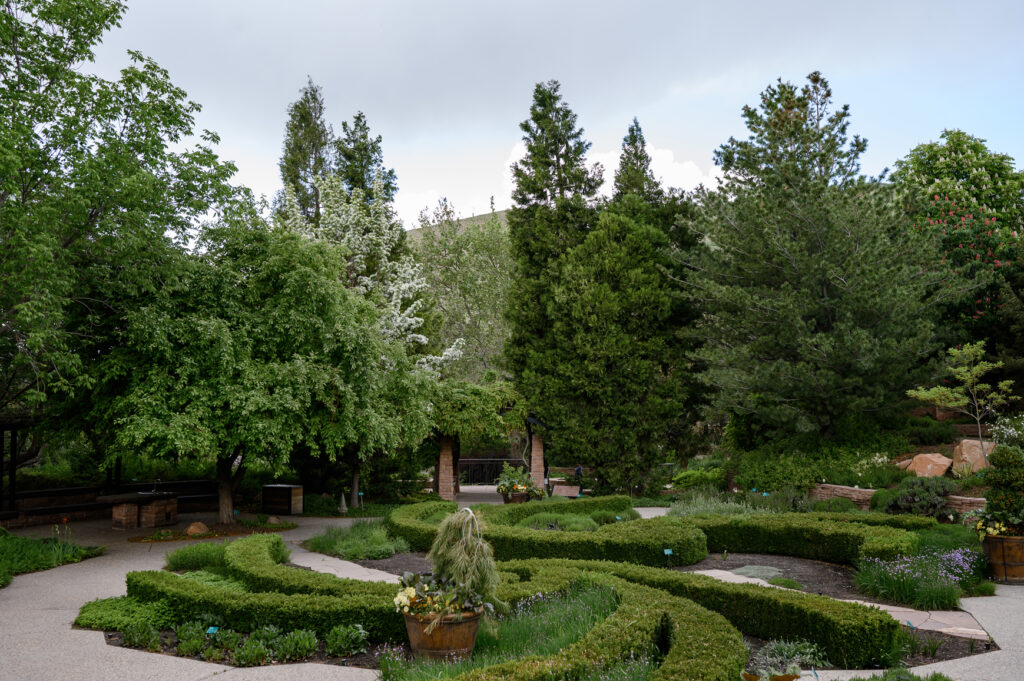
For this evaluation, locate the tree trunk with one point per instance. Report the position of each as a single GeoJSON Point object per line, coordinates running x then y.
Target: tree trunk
{"type": "Point", "coordinates": [225, 489]}
{"type": "Point", "coordinates": [981, 438]}
{"type": "Point", "coordinates": [353, 500]}
{"type": "Point", "coordinates": [342, 506]}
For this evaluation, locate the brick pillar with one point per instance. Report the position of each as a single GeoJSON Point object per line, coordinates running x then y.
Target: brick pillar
{"type": "Point", "coordinates": [537, 460]}
{"type": "Point", "coordinates": [445, 472]}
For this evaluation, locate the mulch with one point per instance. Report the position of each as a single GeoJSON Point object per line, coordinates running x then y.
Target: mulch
{"type": "Point", "coordinates": [399, 564]}
{"type": "Point", "coordinates": [216, 530]}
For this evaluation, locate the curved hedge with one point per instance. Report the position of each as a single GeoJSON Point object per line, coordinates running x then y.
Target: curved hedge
{"type": "Point", "coordinates": [638, 541]}
{"type": "Point", "coordinates": [805, 536]}
{"type": "Point", "coordinates": [696, 643]}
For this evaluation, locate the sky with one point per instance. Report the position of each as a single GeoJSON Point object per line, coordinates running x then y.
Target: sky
{"type": "Point", "coordinates": [446, 84]}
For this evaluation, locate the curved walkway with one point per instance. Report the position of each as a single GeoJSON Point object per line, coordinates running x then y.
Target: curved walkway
{"type": "Point", "coordinates": [37, 642]}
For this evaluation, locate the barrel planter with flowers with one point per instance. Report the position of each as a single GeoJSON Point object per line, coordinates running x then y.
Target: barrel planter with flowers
{"type": "Point", "coordinates": [1001, 524]}
{"type": "Point", "coordinates": [515, 486]}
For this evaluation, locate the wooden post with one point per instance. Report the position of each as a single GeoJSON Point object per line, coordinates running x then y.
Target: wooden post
{"type": "Point", "coordinates": [537, 460]}
{"type": "Point", "coordinates": [445, 472]}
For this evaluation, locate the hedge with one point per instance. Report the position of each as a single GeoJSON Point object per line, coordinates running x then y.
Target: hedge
{"type": "Point", "coordinates": [852, 636]}
{"type": "Point", "coordinates": [804, 535]}
{"type": "Point", "coordinates": [655, 541]}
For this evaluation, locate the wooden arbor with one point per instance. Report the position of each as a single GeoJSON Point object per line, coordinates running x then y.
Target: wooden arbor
{"type": "Point", "coordinates": [467, 410]}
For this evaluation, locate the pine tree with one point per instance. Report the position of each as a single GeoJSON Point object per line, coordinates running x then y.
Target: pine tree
{"type": "Point", "coordinates": [360, 161]}
{"type": "Point", "coordinates": [815, 303]}
{"type": "Point", "coordinates": [554, 166]}
{"type": "Point", "coordinates": [308, 149]}
{"type": "Point", "coordinates": [634, 174]}
{"type": "Point", "coordinates": [553, 211]}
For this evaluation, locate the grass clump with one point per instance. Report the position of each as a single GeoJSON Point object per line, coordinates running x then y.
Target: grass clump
{"type": "Point", "coordinates": [927, 581]}
{"type": "Point", "coordinates": [366, 540]}
{"type": "Point", "coordinates": [295, 645]}
{"type": "Point", "coordinates": [541, 625]}
{"type": "Point", "coordinates": [903, 675]}
{"type": "Point", "coordinates": [196, 557]}
{"type": "Point", "coordinates": [19, 555]}
{"type": "Point", "coordinates": [564, 522]}
{"type": "Point", "coordinates": [786, 583]}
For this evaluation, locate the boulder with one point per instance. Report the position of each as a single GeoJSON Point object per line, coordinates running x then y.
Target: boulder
{"type": "Point", "coordinates": [968, 452]}
{"type": "Point", "coordinates": [903, 464]}
{"type": "Point", "coordinates": [196, 529]}
{"type": "Point", "coordinates": [929, 465]}
{"type": "Point", "coordinates": [273, 520]}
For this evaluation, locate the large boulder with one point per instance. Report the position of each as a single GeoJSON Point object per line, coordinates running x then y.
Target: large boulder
{"type": "Point", "coordinates": [197, 529]}
{"type": "Point", "coordinates": [968, 452]}
{"type": "Point", "coordinates": [930, 465]}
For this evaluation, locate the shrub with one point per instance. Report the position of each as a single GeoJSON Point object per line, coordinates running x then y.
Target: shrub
{"type": "Point", "coordinates": [699, 477]}
{"type": "Point", "coordinates": [930, 581]}
{"type": "Point", "coordinates": [343, 641]}
{"type": "Point", "coordinates": [706, 502]}
{"type": "Point", "coordinates": [267, 634]}
{"type": "Point", "coordinates": [363, 540]}
{"type": "Point", "coordinates": [295, 645]}
{"type": "Point", "coordinates": [904, 675]}
{"type": "Point", "coordinates": [141, 635]}
{"type": "Point", "coordinates": [196, 556]}
{"type": "Point", "coordinates": [835, 505]}
{"type": "Point", "coordinates": [225, 639]}
{"type": "Point", "coordinates": [207, 577]}
{"type": "Point", "coordinates": [927, 431]}
{"type": "Point", "coordinates": [121, 612]}
{"type": "Point", "coordinates": [191, 639]}
{"type": "Point", "coordinates": [779, 654]}
{"type": "Point", "coordinates": [1005, 478]}
{"type": "Point", "coordinates": [917, 496]}
{"type": "Point", "coordinates": [563, 522]}
{"type": "Point", "coordinates": [252, 653]}
{"type": "Point", "coordinates": [608, 517]}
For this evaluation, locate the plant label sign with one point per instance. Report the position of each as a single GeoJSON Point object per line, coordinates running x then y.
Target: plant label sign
{"type": "Point", "coordinates": [213, 630]}
{"type": "Point", "coordinates": [668, 552]}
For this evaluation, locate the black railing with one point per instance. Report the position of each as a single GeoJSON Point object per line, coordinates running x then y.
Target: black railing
{"type": "Point", "coordinates": [484, 471]}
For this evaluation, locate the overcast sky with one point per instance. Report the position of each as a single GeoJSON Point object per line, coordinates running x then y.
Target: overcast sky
{"type": "Point", "coordinates": [447, 83]}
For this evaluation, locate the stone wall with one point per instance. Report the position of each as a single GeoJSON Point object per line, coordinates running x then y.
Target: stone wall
{"type": "Point", "coordinates": [862, 497]}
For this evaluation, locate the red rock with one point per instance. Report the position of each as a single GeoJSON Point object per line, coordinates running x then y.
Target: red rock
{"type": "Point", "coordinates": [969, 452]}
{"type": "Point", "coordinates": [930, 465]}
{"type": "Point", "coordinates": [196, 529]}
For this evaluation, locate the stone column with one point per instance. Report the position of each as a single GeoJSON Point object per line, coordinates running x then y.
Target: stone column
{"type": "Point", "coordinates": [537, 460]}
{"type": "Point", "coordinates": [445, 473]}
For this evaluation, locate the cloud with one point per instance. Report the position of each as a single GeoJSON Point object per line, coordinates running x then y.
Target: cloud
{"type": "Point", "coordinates": [667, 170]}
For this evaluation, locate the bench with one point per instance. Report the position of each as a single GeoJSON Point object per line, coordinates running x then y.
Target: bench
{"type": "Point", "coordinates": [570, 491]}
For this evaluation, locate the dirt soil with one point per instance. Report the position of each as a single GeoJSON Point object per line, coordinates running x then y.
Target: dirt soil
{"type": "Point", "coordinates": [399, 564]}
{"type": "Point", "coordinates": [216, 530]}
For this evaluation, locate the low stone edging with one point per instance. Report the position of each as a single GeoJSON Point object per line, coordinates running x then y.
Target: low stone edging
{"type": "Point", "coordinates": [862, 496]}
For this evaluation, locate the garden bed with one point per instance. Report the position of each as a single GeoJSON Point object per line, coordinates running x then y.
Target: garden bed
{"type": "Point", "coordinates": [216, 530]}
{"type": "Point", "coordinates": [399, 564]}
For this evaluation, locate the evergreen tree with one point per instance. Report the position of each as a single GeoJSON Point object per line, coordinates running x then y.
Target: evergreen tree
{"type": "Point", "coordinates": [634, 174]}
{"type": "Point", "coordinates": [360, 162]}
{"type": "Point", "coordinates": [308, 149]}
{"type": "Point", "coordinates": [815, 303]}
{"type": "Point", "coordinates": [553, 211]}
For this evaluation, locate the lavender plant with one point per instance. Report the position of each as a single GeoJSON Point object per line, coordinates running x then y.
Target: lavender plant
{"type": "Point", "coordinates": [930, 581]}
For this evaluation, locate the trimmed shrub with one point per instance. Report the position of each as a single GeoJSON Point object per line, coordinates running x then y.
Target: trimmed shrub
{"type": "Point", "coordinates": [608, 517]}
{"type": "Point", "coordinates": [121, 612]}
{"type": "Point", "coordinates": [346, 640]}
{"type": "Point", "coordinates": [699, 477]}
{"type": "Point", "coordinates": [196, 556]}
{"type": "Point", "coordinates": [916, 496]}
{"type": "Point", "coordinates": [835, 505]}
{"type": "Point", "coordinates": [561, 522]}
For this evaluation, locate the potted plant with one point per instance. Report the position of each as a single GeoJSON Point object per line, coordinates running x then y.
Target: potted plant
{"type": "Point", "coordinates": [442, 610]}
{"type": "Point", "coordinates": [515, 486]}
{"type": "Point", "coordinates": [1001, 524]}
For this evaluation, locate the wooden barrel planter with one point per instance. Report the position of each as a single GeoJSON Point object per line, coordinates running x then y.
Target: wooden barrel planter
{"type": "Point", "coordinates": [453, 637]}
{"type": "Point", "coordinates": [1005, 557]}
{"type": "Point", "coordinates": [516, 498]}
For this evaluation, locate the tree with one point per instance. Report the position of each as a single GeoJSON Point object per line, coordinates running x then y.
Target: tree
{"type": "Point", "coordinates": [308, 149]}
{"type": "Point", "coordinates": [260, 348]}
{"type": "Point", "coordinates": [622, 395]}
{"type": "Point", "coordinates": [92, 198]}
{"type": "Point", "coordinates": [970, 202]}
{"type": "Point", "coordinates": [970, 396]}
{"type": "Point", "coordinates": [374, 264]}
{"type": "Point", "coordinates": [360, 162]}
{"type": "Point", "coordinates": [816, 307]}
{"type": "Point", "coordinates": [554, 196]}
{"type": "Point", "coordinates": [634, 174]}
{"type": "Point", "coordinates": [468, 269]}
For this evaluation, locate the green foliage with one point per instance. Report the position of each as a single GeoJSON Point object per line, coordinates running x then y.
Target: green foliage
{"type": "Point", "coordinates": [19, 555]}
{"type": "Point", "coordinates": [1005, 478]}
{"type": "Point", "coordinates": [252, 653]}
{"type": "Point", "coordinates": [295, 645]}
{"type": "Point", "coordinates": [307, 153]}
{"type": "Point", "coordinates": [141, 635]}
{"type": "Point", "coordinates": [121, 612]}
{"type": "Point", "coordinates": [225, 639]}
{"type": "Point", "coordinates": [91, 189]}
{"type": "Point", "coordinates": [606, 517]}
{"type": "Point", "coordinates": [196, 556]}
{"type": "Point", "coordinates": [699, 477]}
{"type": "Point", "coordinates": [343, 640]}
{"type": "Point", "coordinates": [364, 540]}
{"type": "Point", "coordinates": [468, 269]}
{"type": "Point", "coordinates": [634, 175]}
{"type": "Point", "coordinates": [835, 538]}
{"type": "Point", "coordinates": [797, 251]}
{"type": "Point", "coordinates": [461, 554]}
{"type": "Point", "coordinates": [786, 583]}
{"type": "Point", "coordinates": [191, 637]}
{"type": "Point", "coordinates": [768, 469]}
{"type": "Point", "coordinates": [927, 431]}
{"type": "Point", "coordinates": [516, 480]}
{"type": "Point", "coordinates": [704, 502]}
{"type": "Point", "coordinates": [360, 162]}
{"type": "Point", "coordinates": [779, 654]}
{"type": "Point", "coordinates": [835, 505]}
{"type": "Point", "coordinates": [267, 634]}
{"type": "Point", "coordinates": [916, 496]}
{"type": "Point", "coordinates": [969, 395]}
{"type": "Point", "coordinates": [215, 578]}
{"type": "Point", "coordinates": [558, 522]}
{"type": "Point", "coordinates": [903, 674]}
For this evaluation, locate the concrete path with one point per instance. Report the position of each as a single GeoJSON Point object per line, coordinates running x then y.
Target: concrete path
{"type": "Point", "coordinates": [470, 495]}
{"type": "Point", "coordinates": [37, 642]}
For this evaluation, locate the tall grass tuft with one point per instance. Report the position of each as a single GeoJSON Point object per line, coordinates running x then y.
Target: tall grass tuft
{"type": "Point", "coordinates": [366, 540]}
